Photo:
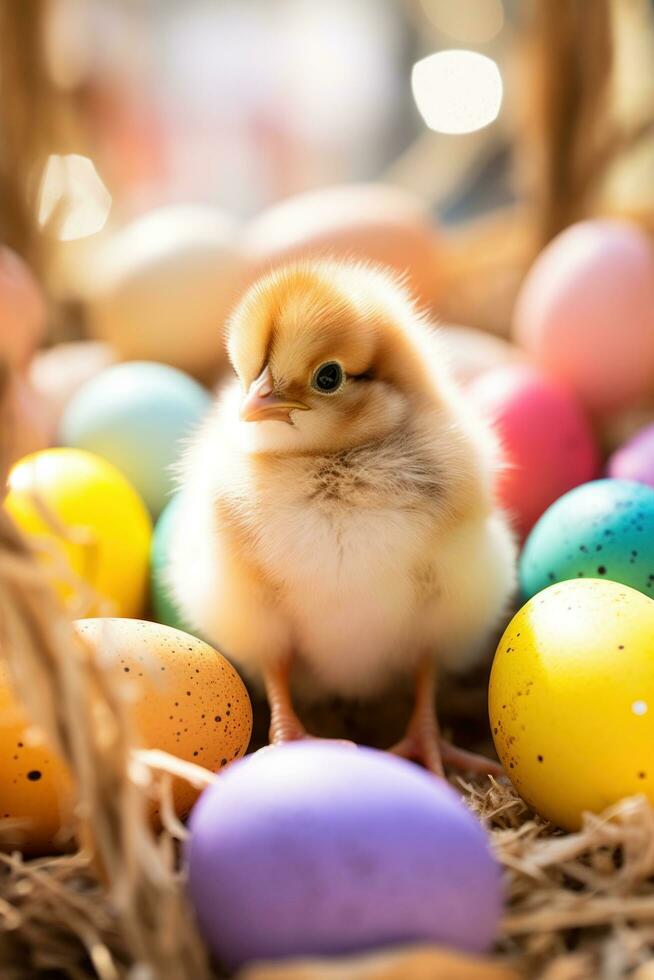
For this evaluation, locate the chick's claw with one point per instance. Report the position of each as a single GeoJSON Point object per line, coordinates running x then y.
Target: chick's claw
{"type": "Point", "coordinates": [469, 761]}
{"type": "Point", "coordinates": [436, 753]}
{"type": "Point", "coordinates": [425, 751]}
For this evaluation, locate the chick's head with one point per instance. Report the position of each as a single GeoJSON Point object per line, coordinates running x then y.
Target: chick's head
{"type": "Point", "coordinates": [327, 357]}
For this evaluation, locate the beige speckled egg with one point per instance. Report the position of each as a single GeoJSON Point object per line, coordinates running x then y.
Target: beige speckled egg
{"type": "Point", "coordinates": [375, 222]}
{"type": "Point", "coordinates": [160, 288]}
{"type": "Point", "coordinates": [188, 699]}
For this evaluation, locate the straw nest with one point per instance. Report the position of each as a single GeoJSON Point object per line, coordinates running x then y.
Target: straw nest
{"type": "Point", "coordinates": [579, 905]}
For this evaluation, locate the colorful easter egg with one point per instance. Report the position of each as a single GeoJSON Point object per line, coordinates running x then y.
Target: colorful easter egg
{"type": "Point", "coordinates": [603, 529]}
{"type": "Point", "coordinates": [315, 848]}
{"type": "Point", "coordinates": [185, 699]}
{"type": "Point", "coordinates": [373, 222]}
{"type": "Point", "coordinates": [571, 699]}
{"type": "Point", "coordinates": [57, 373]}
{"type": "Point", "coordinates": [84, 518]}
{"type": "Point", "coordinates": [27, 422]}
{"type": "Point", "coordinates": [164, 608]}
{"type": "Point", "coordinates": [586, 311]}
{"type": "Point", "coordinates": [635, 460]}
{"type": "Point", "coordinates": [161, 287]}
{"type": "Point", "coordinates": [137, 416]}
{"type": "Point", "coordinates": [22, 310]}
{"type": "Point", "coordinates": [36, 791]}
{"type": "Point", "coordinates": [472, 352]}
{"type": "Point", "coordinates": [547, 443]}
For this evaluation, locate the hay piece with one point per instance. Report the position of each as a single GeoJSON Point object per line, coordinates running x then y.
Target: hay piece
{"type": "Point", "coordinates": [119, 901]}
{"type": "Point", "coordinates": [592, 891]}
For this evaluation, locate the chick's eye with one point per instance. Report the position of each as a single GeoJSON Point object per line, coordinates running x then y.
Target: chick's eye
{"type": "Point", "coordinates": [328, 378]}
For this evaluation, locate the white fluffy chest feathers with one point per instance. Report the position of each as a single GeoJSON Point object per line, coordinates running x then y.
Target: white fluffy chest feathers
{"type": "Point", "coordinates": [342, 552]}
{"type": "Point", "coordinates": [339, 524]}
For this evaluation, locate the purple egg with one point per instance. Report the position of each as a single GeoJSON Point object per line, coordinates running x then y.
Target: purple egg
{"type": "Point", "coordinates": [318, 848]}
{"type": "Point", "coordinates": [635, 460]}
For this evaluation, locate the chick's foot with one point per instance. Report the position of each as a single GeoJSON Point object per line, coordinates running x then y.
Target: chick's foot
{"type": "Point", "coordinates": [423, 742]}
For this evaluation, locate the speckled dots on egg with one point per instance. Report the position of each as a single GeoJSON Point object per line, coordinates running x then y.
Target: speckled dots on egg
{"type": "Point", "coordinates": [603, 529]}
{"type": "Point", "coordinates": [571, 698]}
{"type": "Point", "coordinates": [190, 701]}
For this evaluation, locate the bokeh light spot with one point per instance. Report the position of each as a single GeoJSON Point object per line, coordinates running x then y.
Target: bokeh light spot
{"type": "Point", "coordinates": [457, 91]}
{"type": "Point", "coordinates": [73, 202]}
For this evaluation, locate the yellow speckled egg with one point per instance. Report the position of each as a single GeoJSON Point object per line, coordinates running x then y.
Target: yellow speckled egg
{"type": "Point", "coordinates": [101, 528]}
{"type": "Point", "coordinates": [571, 698]}
{"type": "Point", "coordinates": [188, 699]}
{"type": "Point", "coordinates": [36, 795]}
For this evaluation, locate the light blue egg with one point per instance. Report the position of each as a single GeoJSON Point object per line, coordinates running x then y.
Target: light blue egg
{"type": "Point", "coordinates": [601, 530]}
{"type": "Point", "coordinates": [164, 608]}
{"type": "Point", "coordinates": [137, 415]}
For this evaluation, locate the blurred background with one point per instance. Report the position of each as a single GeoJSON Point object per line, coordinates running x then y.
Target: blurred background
{"type": "Point", "coordinates": [480, 107]}
{"type": "Point", "coordinates": [157, 155]}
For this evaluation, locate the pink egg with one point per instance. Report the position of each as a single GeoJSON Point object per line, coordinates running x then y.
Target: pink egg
{"type": "Point", "coordinates": [586, 312]}
{"type": "Point", "coordinates": [56, 374]}
{"type": "Point", "coordinates": [28, 429]}
{"type": "Point", "coordinates": [22, 310]}
{"type": "Point", "coordinates": [548, 444]}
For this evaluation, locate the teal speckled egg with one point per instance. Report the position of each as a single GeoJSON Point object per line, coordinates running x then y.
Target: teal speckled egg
{"type": "Point", "coordinates": [137, 416]}
{"type": "Point", "coordinates": [164, 609]}
{"type": "Point", "coordinates": [603, 529]}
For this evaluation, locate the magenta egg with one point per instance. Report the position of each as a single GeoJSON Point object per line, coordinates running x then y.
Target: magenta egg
{"type": "Point", "coordinates": [635, 460]}
{"type": "Point", "coordinates": [547, 443]}
{"type": "Point", "coordinates": [316, 848]}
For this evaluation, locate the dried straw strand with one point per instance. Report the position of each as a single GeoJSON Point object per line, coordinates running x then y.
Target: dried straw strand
{"type": "Point", "coordinates": [79, 708]}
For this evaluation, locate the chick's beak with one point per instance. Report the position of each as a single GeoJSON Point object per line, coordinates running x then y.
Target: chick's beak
{"type": "Point", "coordinates": [261, 403]}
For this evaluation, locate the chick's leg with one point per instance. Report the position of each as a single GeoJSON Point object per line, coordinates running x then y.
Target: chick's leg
{"type": "Point", "coordinates": [423, 741]}
{"type": "Point", "coordinates": [285, 726]}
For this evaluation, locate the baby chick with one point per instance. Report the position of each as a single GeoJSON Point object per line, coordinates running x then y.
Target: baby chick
{"type": "Point", "coordinates": [336, 517]}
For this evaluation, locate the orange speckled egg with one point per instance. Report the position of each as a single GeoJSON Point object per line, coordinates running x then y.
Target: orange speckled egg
{"type": "Point", "coordinates": [375, 222]}
{"type": "Point", "coordinates": [188, 699]}
{"type": "Point", "coordinates": [36, 794]}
